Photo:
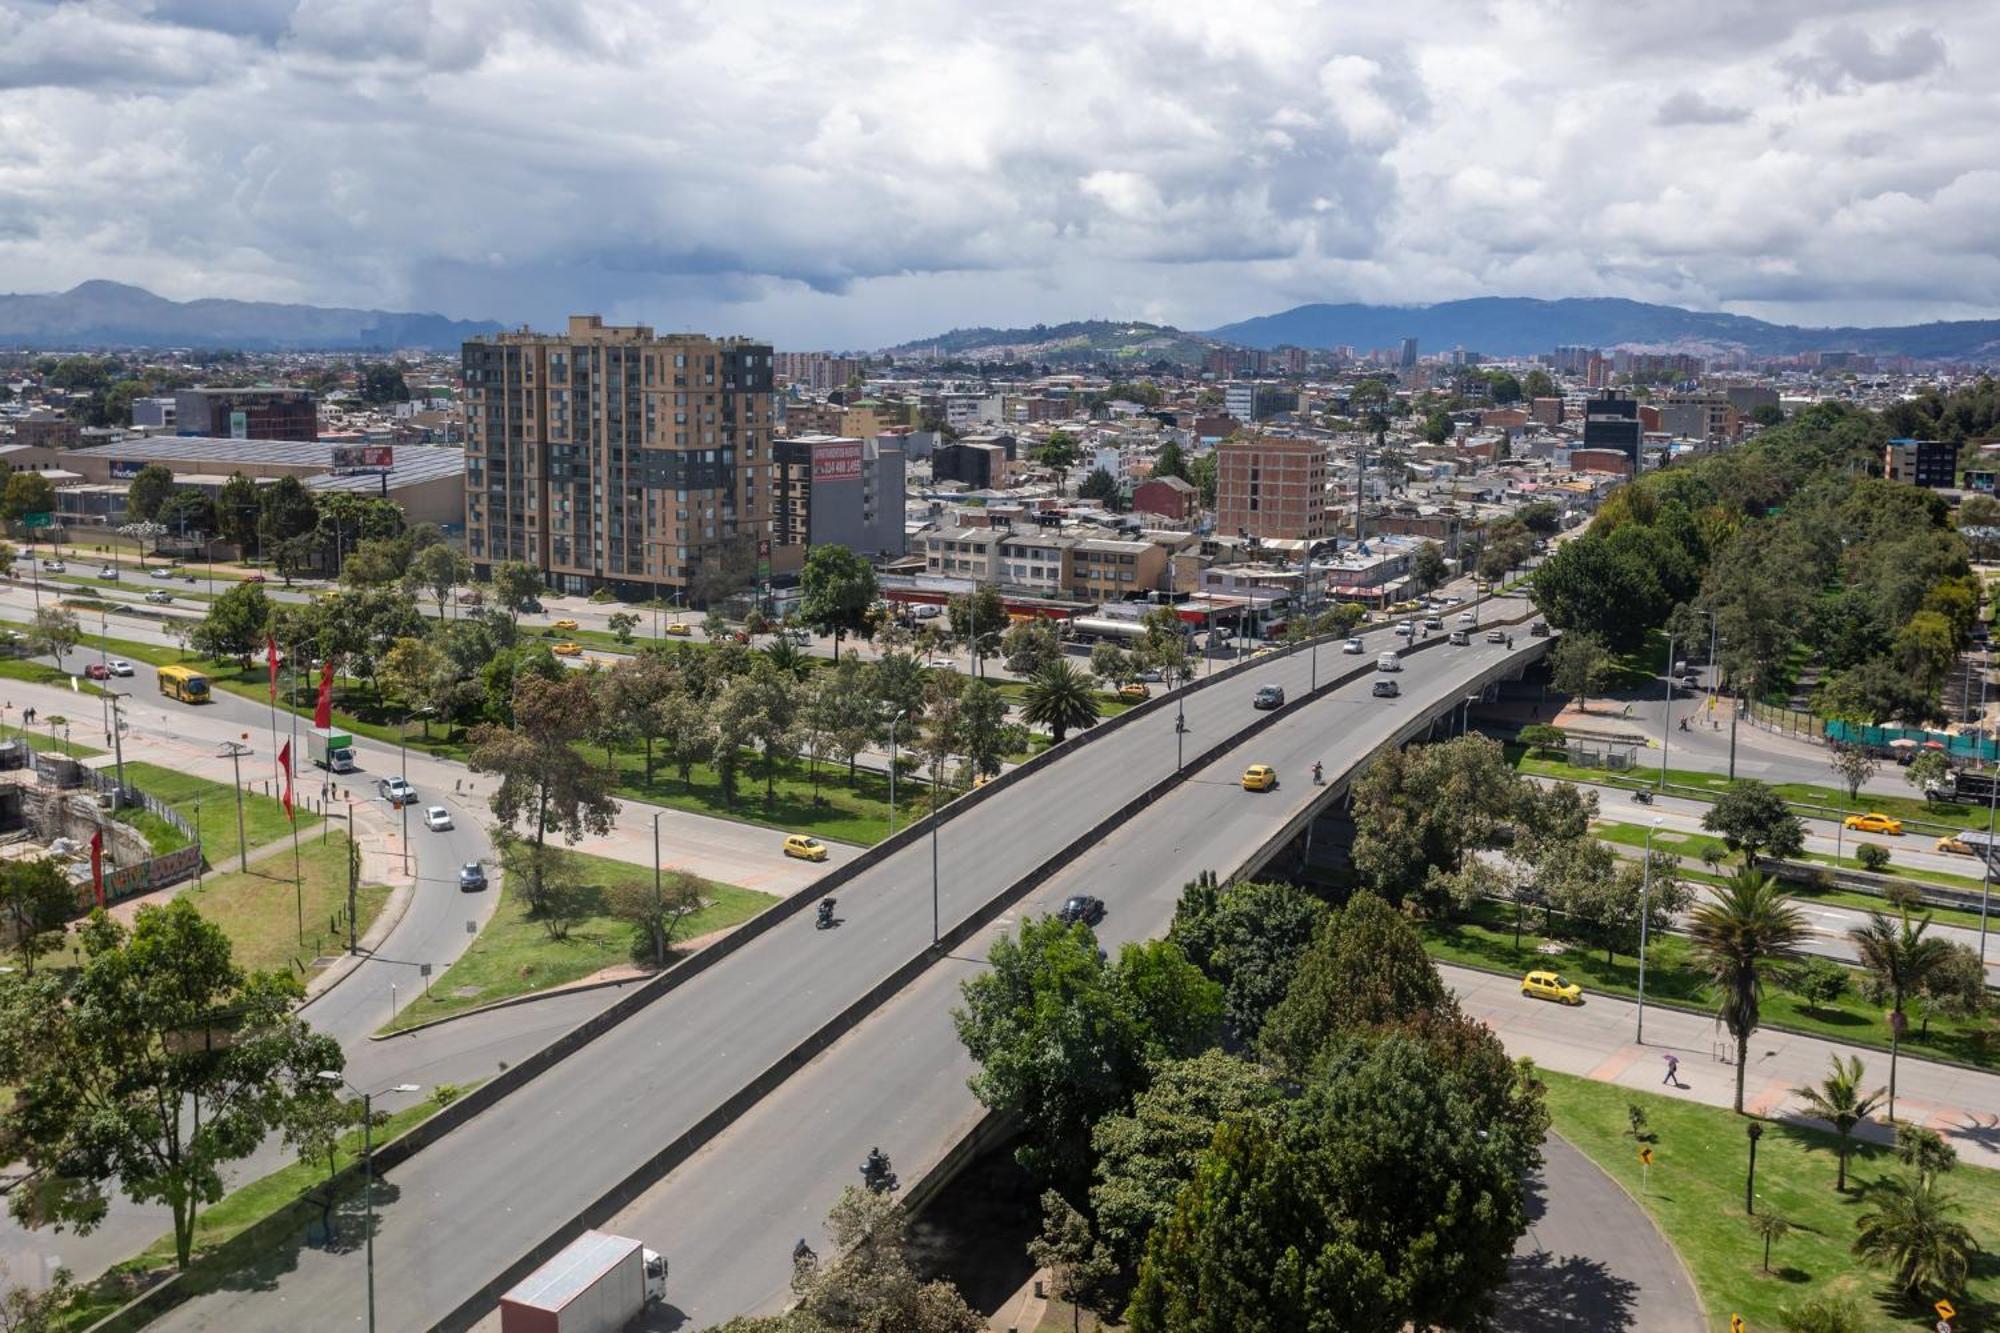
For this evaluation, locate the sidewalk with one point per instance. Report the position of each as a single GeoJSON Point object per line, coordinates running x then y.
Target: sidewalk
{"type": "Point", "coordinates": [1596, 1041]}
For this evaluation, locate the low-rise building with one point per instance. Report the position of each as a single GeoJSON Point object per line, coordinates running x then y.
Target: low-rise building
{"type": "Point", "coordinates": [1106, 569]}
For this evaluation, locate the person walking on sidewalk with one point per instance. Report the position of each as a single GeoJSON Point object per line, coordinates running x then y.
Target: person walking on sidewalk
{"type": "Point", "coordinates": [1673, 1069]}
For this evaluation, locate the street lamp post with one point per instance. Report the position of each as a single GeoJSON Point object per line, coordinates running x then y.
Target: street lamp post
{"type": "Point", "coordinates": [1667, 718]}
{"type": "Point", "coordinates": [894, 724]}
{"type": "Point", "coordinates": [659, 895]}
{"type": "Point", "coordinates": [1645, 887]}
{"type": "Point", "coordinates": [937, 813]}
{"type": "Point", "coordinates": [367, 1169]}
{"type": "Point", "coordinates": [1755, 1131]}
{"type": "Point", "coordinates": [234, 752]}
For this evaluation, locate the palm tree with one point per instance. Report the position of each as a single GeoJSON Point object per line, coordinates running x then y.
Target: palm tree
{"type": "Point", "coordinates": [786, 657]}
{"type": "Point", "coordinates": [1771, 1227]}
{"type": "Point", "coordinates": [1925, 1150]}
{"type": "Point", "coordinates": [1901, 959]}
{"type": "Point", "coordinates": [1738, 935]}
{"type": "Point", "coordinates": [1838, 1101]}
{"type": "Point", "coordinates": [1911, 1229]}
{"type": "Point", "coordinates": [1059, 697]}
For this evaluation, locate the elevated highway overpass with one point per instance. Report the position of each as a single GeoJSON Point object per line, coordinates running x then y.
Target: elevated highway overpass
{"type": "Point", "coordinates": [745, 1038]}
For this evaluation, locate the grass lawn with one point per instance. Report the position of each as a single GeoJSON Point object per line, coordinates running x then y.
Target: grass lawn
{"type": "Point", "coordinates": [1695, 1195]}
{"type": "Point", "coordinates": [1805, 798]}
{"type": "Point", "coordinates": [40, 673]}
{"type": "Point", "coordinates": [1486, 940]}
{"type": "Point", "coordinates": [856, 812]}
{"type": "Point", "coordinates": [260, 911]}
{"type": "Point", "coordinates": [515, 956]}
{"type": "Point", "coordinates": [263, 817]}
{"type": "Point", "coordinates": [1108, 703]}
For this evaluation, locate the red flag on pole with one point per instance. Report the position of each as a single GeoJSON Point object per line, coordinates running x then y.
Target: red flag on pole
{"type": "Point", "coordinates": [97, 864]}
{"type": "Point", "coordinates": [271, 660]}
{"type": "Point", "coordinates": [285, 763]}
{"type": "Point", "coordinates": [323, 709]}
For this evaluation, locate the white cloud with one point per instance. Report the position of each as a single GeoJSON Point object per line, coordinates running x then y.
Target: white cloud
{"type": "Point", "coordinates": [851, 175]}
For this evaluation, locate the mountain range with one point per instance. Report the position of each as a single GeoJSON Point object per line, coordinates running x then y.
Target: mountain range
{"type": "Point", "coordinates": [112, 314]}
{"type": "Point", "coordinates": [1516, 326]}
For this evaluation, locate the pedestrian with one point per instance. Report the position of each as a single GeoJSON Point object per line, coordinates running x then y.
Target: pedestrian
{"type": "Point", "coordinates": [1673, 1069]}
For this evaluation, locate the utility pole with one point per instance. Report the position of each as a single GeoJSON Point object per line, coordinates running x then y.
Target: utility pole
{"type": "Point", "coordinates": [118, 749]}
{"type": "Point", "coordinates": [234, 751]}
{"type": "Point", "coordinates": [1667, 719]}
{"type": "Point", "coordinates": [353, 877]}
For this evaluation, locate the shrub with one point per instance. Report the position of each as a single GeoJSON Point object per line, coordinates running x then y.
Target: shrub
{"type": "Point", "coordinates": [1822, 1314]}
{"type": "Point", "coordinates": [1544, 738]}
{"type": "Point", "coordinates": [1819, 982]}
{"type": "Point", "coordinates": [1872, 856]}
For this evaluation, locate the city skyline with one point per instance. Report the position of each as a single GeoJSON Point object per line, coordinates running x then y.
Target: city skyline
{"type": "Point", "coordinates": [853, 177]}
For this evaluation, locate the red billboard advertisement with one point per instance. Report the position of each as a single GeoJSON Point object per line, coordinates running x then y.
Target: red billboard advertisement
{"type": "Point", "coordinates": [839, 460]}
{"type": "Point", "coordinates": [364, 456]}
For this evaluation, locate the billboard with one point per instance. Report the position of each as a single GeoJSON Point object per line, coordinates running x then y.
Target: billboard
{"type": "Point", "coordinates": [837, 460]}
{"type": "Point", "coordinates": [239, 425]}
{"type": "Point", "coordinates": [348, 456]}
{"type": "Point", "coordinates": [124, 469]}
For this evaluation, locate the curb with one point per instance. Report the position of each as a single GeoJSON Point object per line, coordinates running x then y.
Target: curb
{"type": "Point", "coordinates": [511, 1002]}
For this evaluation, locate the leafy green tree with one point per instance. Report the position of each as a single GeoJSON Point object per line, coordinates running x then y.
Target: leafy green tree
{"type": "Point", "coordinates": [381, 382]}
{"type": "Point", "coordinates": [1853, 765]}
{"type": "Point", "coordinates": [237, 509]}
{"type": "Point", "coordinates": [437, 570]}
{"type": "Point", "coordinates": [1203, 473]}
{"type": "Point", "coordinates": [1170, 462]}
{"type": "Point", "coordinates": [22, 1309]}
{"type": "Point", "coordinates": [1438, 427]}
{"type": "Point", "coordinates": [1079, 1264]}
{"type": "Point", "coordinates": [286, 510]}
{"type": "Point", "coordinates": [657, 909]}
{"type": "Point", "coordinates": [417, 672]}
{"type": "Point", "coordinates": [1429, 567]}
{"type": "Point", "coordinates": [1537, 384]}
{"type": "Point", "coordinates": [1111, 664]}
{"type": "Point", "coordinates": [1579, 665]}
{"type": "Point", "coordinates": [36, 901]}
{"type": "Point", "coordinates": [27, 493]}
{"type": "Point", "coordinates": [1249, 937]}
{"type": "Point", "coordinates": [1060, 698]}
{"type": "Point", "coordinates": [1288, 1224]}
{"type": "Point", "coordinates": [1956, 986]}
{"type": "Point", "coordinates": [1924, 1151]}
{"type": "Point", "coordinates": [187, 513]}
{"type": "Point", "coordinates": [517, 585]}
{"type": "Point", "coordinates": [982, 727]}
{"type": "Point", "coordinates": [1740, 936]}
{"type": "Point", "coordinates": [1751, 818]}
{"type": "Point", "coordinates": [53, 633]}
{"type": "Point", "coordinates": [148, 490]}
{"type": "Point", "coordinates": [1030, 645]}
{"type": "Point", "coordinates": [1366, 966]}
{"type": "Point", "coordinates": [1839, 1100]}
{"type": "Point", "coordinates": [1911, 1226]}
{"type": "Point", "coordinates": [837, 590]}
{"type": "Point", "coordinates": [1427, 806]}
{"type": "Point", "coordinates": [1818, 981]}
{"type": "Point", "coordinates": [1928, 772]}
{"type": "Point", "coordinates": [1900, 957]}
{"type": "Point", "coordinates": [1099, 485]}
{"type": "Point", "coordinates": [546, 783]}
{"type": "Point", "coordinates": [1148, 1154]}
{"type": "Point", "coordinates": [1062, 1037]}
{"type": "Point", "coordinates": [155, 1065]}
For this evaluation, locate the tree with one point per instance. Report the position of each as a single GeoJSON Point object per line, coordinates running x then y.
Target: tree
{"type": "Point", "coordinates": [1110, 664]}
{"type": "Point", "coordinates": [657, 910]}
{"type": "Point", "coordinates": [1366, 966]}
{"type": "Point", "coordinates": [1059, 697]}
{"type": "Point", "coordinates": [236, 512]}
{"type": "Point", "coordinates": [1752, 818]}
{"type": "Point", "coordinates": [1099, 485]}
{"type": "Point", "coordinates": [982, 727]}
{"type": "Point", "coordinates": [1057, 454]}
{"type": "Point", "coordinates": [546, 784]}
{"type": "Point", "coordinates": [686, 732]}
{"type": "Point", "coordinates": [53, 633]}
{"type": "Point", "coordinates": [866, 1284]}
{"type": "Point", "coordinates": [1537, 384]}
{"type": "Point", "coordinates": [1956, 986]}
{"type": "Point", "coordinates": [1770, 1227]}
{"type": "Point", "coordinates": [766, 701]}
{"type": "Point", "coordinates": [1911, 1227]}
{"type": "Point", "coordinates": [437, 570]}
{"type": "Point", "coordinates": [381, 382]}
{"type": "Point", "coordinates": [1148, 1154]}
{"type": "Point", "coordinates": [1873, 856]}
{"type": "Point", "coordinates": [1080, 1267]}
{"type": "Point", "coordinates": [1930, 773]}
{"type": "Point", "coordinates": [1429, 567]}
{"type": "Point", "coordinates": [36, 901]}
{"type": "Point", "coordinates": [155, 1065]}
{"type": "Point", "coordinates": [633, 690]}
{"type": "Point", "coordinates": [1579, 665]}
{"type": "Point", "coordinates": [622, 623]}
{"type": "Point", "coordinates": [979, 620]}
{"type": "Point", "coordinates": [1739, 936]}
{"type": "Point", "coordinates": [1029, 645]}
{"type": "Point", "coordinates": [1838, 1100]}
{"type": "Point", "coordinates": [27, 493]}
{"type": "Point", "coordinates": [1062, 1036]}
{"type": "Point", "coordinates": [1169, 462]}
{"type": "Point", "coordinates": [1428, 806]}
{"type": "Point", "coordinates": [517, 585]}
{"type": "Point", "coordinates": [149, 490]}
{"type": "Point", "coordinates": [1545, 739]}
{"type": "Point", "coordinates": [1853, 765]}
{"type": "Point", "coordinates": [1819, 982]}
{"type": "Point", "coordinates": [1292, 1222]}
{"type": "Point", "coordinates": [285, 510]}
{"type": "Point", "coordinates": [1899, 958]}
{"type": "Point", "coordinates": [1249, 937]}
{"type": "Point", "coordinates": [188, 513]}
{"type": "Point", "coordinates": [837, 591]}
{"type": "Point", "coordinates": [417, 672]}
{"type": "Point", "coordinates": [23, 1310]}
{"type": "Point", "coordinates": [1924, 1151]}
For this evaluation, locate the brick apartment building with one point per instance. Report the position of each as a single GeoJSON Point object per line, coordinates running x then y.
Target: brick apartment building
{"type": "Point", "coordinates": [1271, 486]}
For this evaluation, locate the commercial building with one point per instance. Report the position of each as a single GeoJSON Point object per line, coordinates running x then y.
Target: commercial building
{"type": "Point", "coordinates": [1271, 486]}
{"type": "Point", "coordinates": [607, 456]}
{"type": "Point", "coordinates": [1408, 356]}
{"type": "Point", "coordinates": [979, 463]}
{"type": "Point", "coordinates": [45, 430]}
{"type": "Point", "coordinates": [1932, 463]}
{"type": "Point", "coordinates": [247, 414]}
{"type": "Point", "coordinates": [1698, 417]}
{"type": "Point", "coordinates": [1611, 422]}
{"type": "Point", "coordinates": [830, 489]}
{"type": "Point", "coordinates": [1106, 570]}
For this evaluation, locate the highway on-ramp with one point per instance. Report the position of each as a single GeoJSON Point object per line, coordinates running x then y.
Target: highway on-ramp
{"type": "Point", "coordinates": [469, 1206]}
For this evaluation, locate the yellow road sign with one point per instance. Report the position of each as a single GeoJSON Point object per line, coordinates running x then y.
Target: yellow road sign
{"type": "Point", "coordinates": [1736, 1324]}
{"type": "Point", "coordinates": [1645, 1156]}
{"type": "Point", "coordinates": [1945, 1309]}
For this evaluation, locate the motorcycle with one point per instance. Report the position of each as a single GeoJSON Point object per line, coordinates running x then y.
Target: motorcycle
{"type": "Point", "coordinates": [1319, 776]}
{"type": "Point", "coordinates": [826, 920]}
{"type": "Point", "coordinates": [875, 1172]}
{"type": "Point", "coordinates": [1643, 797]}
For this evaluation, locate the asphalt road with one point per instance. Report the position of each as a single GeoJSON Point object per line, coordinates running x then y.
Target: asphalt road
{"type": "Point", "coordinates": [470, 1205]}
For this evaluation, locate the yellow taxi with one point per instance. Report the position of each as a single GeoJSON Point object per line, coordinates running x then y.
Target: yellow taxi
{"type": "Point", "coordinates": [566, 649]}
{"type": "Point", "coordinates": [1544, 985]}
{"type": "Point", "coordinates": [680, 631]}
{"type": "Point", "coordinates": [1260, 777]}
{"type": "Point", "coordinates": [564, 624]}
{"type": "Point", "coordinates": [1874, 823]}
{"type": "Point", "coordinates": [804, 847]}
{"type": "Point", "coordinates": [1134, 692]}
{"type": "Point", "coordinates": [1957, 846]}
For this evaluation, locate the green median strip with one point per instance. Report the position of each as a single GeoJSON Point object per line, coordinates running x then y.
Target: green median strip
{"type": "Point", "coordinates": [1694, 1192]}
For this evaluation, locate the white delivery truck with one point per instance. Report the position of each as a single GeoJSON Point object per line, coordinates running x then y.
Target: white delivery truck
{"type": "Point", "coordinates": [596, 1285]}
{"type": "Point", "coordinates": [330, 749]}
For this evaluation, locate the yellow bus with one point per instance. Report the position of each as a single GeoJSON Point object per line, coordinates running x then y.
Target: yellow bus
{"type": "Point", "coordinates": [185, 684]}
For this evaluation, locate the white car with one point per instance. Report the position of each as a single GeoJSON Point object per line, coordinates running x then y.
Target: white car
{"type": "Point", "coordinates": [1406, 630]}
{"type": "Point", "coordinates": [108, 572]}
{"type": "Point", "coordinates": [437, 819]}
{"type": "Point", "coordinates": [162, 572]}
{"type": "Point", "coordinates": [1467, 618]}
{"type": "Point", "coordinates": [118, 666]}
{"type": "Point", "coordinates": [1352, 646]}
{"type": "Point", "coordinates": [55, 566]}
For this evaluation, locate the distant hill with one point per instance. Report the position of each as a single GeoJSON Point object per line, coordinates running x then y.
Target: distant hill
{"type": "Point", "coordinates": [1080, 340]}
{"type": "Point", "coordinates": [1514, 326]}
{"type": "Point", "coordinates": [111, 314]}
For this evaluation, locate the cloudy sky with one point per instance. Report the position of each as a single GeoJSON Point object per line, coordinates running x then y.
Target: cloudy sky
{"type": "Point", "coordinates": [831, 174]}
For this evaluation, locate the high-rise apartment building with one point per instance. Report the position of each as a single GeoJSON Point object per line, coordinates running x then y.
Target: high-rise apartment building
{"type": "Point", "coordinates": [1271, 486]}
{"type": "Point", "coordinates": [607, 456]}
{"type": "Point", "coordinates": [1407, 356]}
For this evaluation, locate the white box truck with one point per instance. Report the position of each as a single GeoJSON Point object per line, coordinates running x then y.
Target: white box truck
{"type": "Point", "coordinates": [596, 1285]}
{"type": "Point", "coordinates": [330, 749]}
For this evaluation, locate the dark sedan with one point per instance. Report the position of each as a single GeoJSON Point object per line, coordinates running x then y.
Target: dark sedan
{"type": "Point", "coordinates": [1082, 908]}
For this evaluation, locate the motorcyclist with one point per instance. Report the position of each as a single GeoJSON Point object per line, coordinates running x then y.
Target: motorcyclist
{"type": "Point", "coordinates": [826, 911]}
{"type": "Point", "coordinates": [802, 1253]}
{"type": "Point", "coordinates": [1319, 774]}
